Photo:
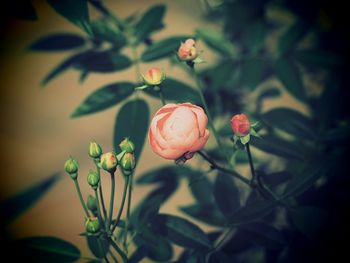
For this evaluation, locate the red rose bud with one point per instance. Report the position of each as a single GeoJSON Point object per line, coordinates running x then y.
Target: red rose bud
{"type": "Point", "coordinates": [240, 124]}
{"type": "Point", "coordinates": [153, 77]}
{"type": "Point", "coordinates": [71, 167]}
{"type": "Point", "coordinates": [187, 51]}
{"type": "Point", "coordinates": [109, 162]}
{"type": "Point", "coordinates": [92, 225]}
{"type": "Point", "coordinates": [127, 145]}
{"type": "Point", "coordinates": [128, 162]}
{"type": "Point", "coordinates": [95, 150]}
{"type": "Point", "coordinates": [93, 179]}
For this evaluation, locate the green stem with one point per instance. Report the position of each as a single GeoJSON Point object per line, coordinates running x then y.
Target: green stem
{"type": "Point", "coordinates": [120, 252]}
{"type": "Point", "coordinates": [104, 211]}
{"type": "Point", "coordinates": [161, 95]}
{"type": "Point", "coordinates": [216, 166]}
{"type": "Point", "coordinates": [201, 95]}
{"type": "Point", "coordinates": [126, 183]}
{"type": "Point", "coordinates": [99, 209]}
{"type": "Point", "coordinates": [136, 62]}
{"type": "Point", "coordinates": [128, 209]}
{"type": "Point", "coordinates": [76, 183]}
{"type": "Point", "coordinates": [250, 163]}
{"type": "Point", "coordinates": [102, 248]}
{"type": "Point", "coordinates": [111, 203]}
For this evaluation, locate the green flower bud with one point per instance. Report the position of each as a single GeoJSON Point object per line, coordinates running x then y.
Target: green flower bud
{"type": "Point", "coordinates": [92, 225]}
{"type": "Point", "coordinates": [91, 203]}
{"type": "Point", "coordinates": [128, 162]}
{"type": "Point", "coordinates": [127, 145]}
{"type": "Point", "coordinates": [109, 162]}
{"type": "Point", "coordinates": [95, 150]}
{"type": "Point", "coordinates": [71, 167]}
{"type": "Point", "coordinates": [93, 179]}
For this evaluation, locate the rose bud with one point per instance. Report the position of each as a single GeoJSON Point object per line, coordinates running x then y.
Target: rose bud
{"type": "Point", "coordinates": [177, 129]}
{"type": "Point", "coordinates": [127, 145]}
{"type": "Point", "coordinates": [153, 77]}
{"type": "Point", "coordinates": [240, 124]}
{"type": "Point", "coordinates": [71, 167]}
{"type": "Point", "coordinates": [95, 150]}
{"type": "Point", "coordinates": [92, 225]}
{"type": "Point", "coordinates": [93, 179]}
{"type": "Point", "coordinates": [109, 162]}
{"type": "Point", "coordinates": [91, 203]}
{"type": "Point", "coordinates": [128, 162]}
{"type": "Point", "coordinates": [187, 51]}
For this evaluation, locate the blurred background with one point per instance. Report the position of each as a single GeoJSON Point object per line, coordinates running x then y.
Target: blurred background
{"type": "Point", "coordinates": [38, 135]}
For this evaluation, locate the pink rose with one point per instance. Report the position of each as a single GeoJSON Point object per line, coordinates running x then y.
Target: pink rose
{"type": "Point", "coordinates": [240, 124]}
{"type": "Point", "coordinates": [178, 130]}
{"type": "Point", "coordinates": [187, 51]}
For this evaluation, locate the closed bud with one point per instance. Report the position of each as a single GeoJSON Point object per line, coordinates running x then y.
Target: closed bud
{"type": "Point", "coordinates": [187, 51]}
{"type": "Point", "coordinates": [92, 225]}
{"type": "Point", "coordinates": [91, 203]}
{"type": "Point", "coordinates": [95, 150]}
{"type": "Point", "coordinates": [71, 167]}
{"type": "Point", "coordinates": [240, 125]}
{"type": "Point", "coordinates": [128, 162]}
{"type": "Point", "coordinates": [153, 76]}
{"type": "Point", "coordinates": [109, 162]}
{"type": "Point", "coordinates": [127, 146]}
{"type": "Point", "coordinates": [93, 179]}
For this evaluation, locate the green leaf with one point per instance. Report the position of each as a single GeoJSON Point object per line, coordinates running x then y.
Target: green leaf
{"type": "Point", "coordinates": [157, 247]}
{"type": "Point", "coordinates": [306, 178]}
{"type": "Point", "coordinates": [162, 48]}
{"type": "Point", "coordinates": [289, 74]}
{"type": "Point", "coordinates": [309, 220]}
{"type": "Point", "coordinates": [252, 212]}
{"type": "Point", "coordinates": [216, 40]}
{"type": "Point", "coordinates": [279, 147]}
{"type": "Point", "coordinates": [292, 36]}
{"type": "Point", "coordinates": [132, 121]}
{"type": "Point", "coordinates": [264, 235]}
{"type": "Point", "coordinates": [245, 139]}
{"type": "Point", "coordinates": [150, 21]}
{"type": "Point", "coordinates": [181, 231]}
{"type": "Point", "coordinates": [252, 72]}
{"type": "Point", "coordinates": [58, 42]}
{"type": "Point", "coordinates": [75, 11]}
{"type": "Point", "coordinates": [201, 188]}
{"type": "Point", "coordinates": [174, 90]}
{"type": "Point", "coordinates": [220, 75]}
{"type": "Point", "coordinates": [319, 58]}
{"type": "Point", "coordinates": [103, 31]}
{"type": "Point", "coordinates": [291, 121]}
{"type": "Point", "coordinates": [104, 62]}
{"type": "Point", "coordinates": [47, 249]}
{"type": "Point", "coordinates": [98, 246]}
{"type": "Point", "coordinates": [226, 194]}
{"type": "Point", "coordinates": [13, 207]}
{"type": "Point", "coordinates": [163, 174]}
{"type": "Point", "coordinates": [207, 213]}
{"type": "Point", "coordinates": [103, 98]}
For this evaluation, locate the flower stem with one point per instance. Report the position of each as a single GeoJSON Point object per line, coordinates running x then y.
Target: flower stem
{"type": "Point", "coordinates": [250, 162]}
{"type": "Point", "coordinates": [214, 165]}
{"type": "Point", "coordinates": [136, 62]}
{"type": "Point", "coordinates": [76, 183]}
{"type": "Point", "coordinates": [120, 252]}
{"type": "Point", "coordinates": [111, 203]}
{"type": "Point", "coordinates": [126, 183]}
{"type": "Point", "coordinates": [128, 209]}
{"type": "Point", "coordinates": [104, 211]}
{"type": "Point", "coordinates": [99, 209]}
{"type": "Point", "coordinates": [161, 95]}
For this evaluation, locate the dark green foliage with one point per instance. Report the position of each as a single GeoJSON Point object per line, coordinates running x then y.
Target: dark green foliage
{"type": "Point", "coordinates": [58, 42]}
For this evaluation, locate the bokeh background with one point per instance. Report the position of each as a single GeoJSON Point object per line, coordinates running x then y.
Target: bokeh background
{"type": "Point", "coordinates": [37, 134]}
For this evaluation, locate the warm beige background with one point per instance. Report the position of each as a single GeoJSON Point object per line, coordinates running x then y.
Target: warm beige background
{"type": "Point", "coordinates": [37, 134]}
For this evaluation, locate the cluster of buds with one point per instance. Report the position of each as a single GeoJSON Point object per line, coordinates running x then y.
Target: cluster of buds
{"type": "Point", "coordinates": [109, 162]}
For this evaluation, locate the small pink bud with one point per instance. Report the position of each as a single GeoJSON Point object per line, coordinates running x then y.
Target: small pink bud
{"type": "Point", "coordinates": [187, 51]}
{"type": "Point", "coordinates": [240, 124]}
{"type": "Point", "coordinates": [153, 76]}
